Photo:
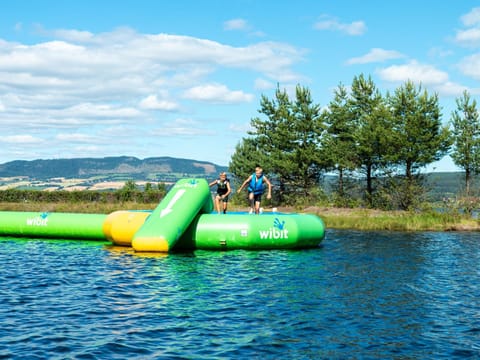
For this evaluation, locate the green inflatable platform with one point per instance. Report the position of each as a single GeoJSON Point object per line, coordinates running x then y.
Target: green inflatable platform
{"type": "Point", "coordinates": [52, 225]}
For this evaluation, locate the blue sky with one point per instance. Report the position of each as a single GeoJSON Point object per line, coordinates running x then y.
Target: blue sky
{"type": "Point", "coordinates": [184, 78]}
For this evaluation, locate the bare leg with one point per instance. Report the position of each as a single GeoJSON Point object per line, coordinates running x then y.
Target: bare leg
{"type": "Point", "coordinates": [257, 207]}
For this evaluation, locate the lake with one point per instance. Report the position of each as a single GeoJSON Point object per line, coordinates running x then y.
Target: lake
{"type": "Point", "coordinates": [369, 295]}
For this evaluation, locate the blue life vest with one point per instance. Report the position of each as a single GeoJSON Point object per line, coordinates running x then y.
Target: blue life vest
{"type": "Point", "coordinates": [256, 185]}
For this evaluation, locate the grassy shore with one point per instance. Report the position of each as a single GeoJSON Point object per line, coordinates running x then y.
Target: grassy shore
{"type": "Point", "coordinates": [366, 219]}
{"type": "Point", "coordinates": [334, 218]}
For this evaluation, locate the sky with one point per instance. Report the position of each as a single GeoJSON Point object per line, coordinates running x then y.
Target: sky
{"type": "Point", "coordinates": [149, 78]}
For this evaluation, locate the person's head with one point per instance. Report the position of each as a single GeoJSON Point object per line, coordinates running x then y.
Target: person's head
{"type": "Point", "coordinates": [258, 171]}
{"type": "Point", "coordinates": [223, 175]}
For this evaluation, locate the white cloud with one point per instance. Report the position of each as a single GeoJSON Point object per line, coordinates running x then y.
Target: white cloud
{"type": "Point", "coordinates": [235, 24]}
{"type": "Point", "coordinates": [20, 139]}
{"type": "Point", "coordinates": [376, 55]}
{"type": "Point", "coordinates": [75, 137]}
{"type": "Point", "coordinates": [152, 102]}
{"type": "Point", "coordinates": [240, 128]}
{"type": "Point", "coordinates": [451, 89]}
{"type": "Point", "coordinates": [77, 82]}
{"type": "Point", "coordinates": [130, 63]}
{"type": "Point", "coordinates": [184, 128]}
{"type": "Point", "coordinates": [470, 66]}
{"type": "Point", "coordinates": [413, 71]}
{"type": "Point", "coordinates": [472, 18]}
{"type": "Point", "coordinates": [262, 84]}
{"type": "Point", "coordinates": [469, 37]}
{"type": "Point", "coordinates": [438, 52]}
{"type": "Point", "coordinates": [216, 93]}
{"type": "Point", "coordinates": [327, 22]}
{"type": "Point", "coordinates": [100, 111]}
{"type": "Point", "coordinates": [73, 35]}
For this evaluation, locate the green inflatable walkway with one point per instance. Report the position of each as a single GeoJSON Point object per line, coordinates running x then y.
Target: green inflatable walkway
{"type": "Point", "coordinates": [168, 222]}
{"type": "Point", "coordinates": [52, 225]}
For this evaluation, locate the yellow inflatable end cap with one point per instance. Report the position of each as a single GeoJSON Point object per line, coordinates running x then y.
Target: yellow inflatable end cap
{"type": "Point", "coordinates": [108, 223]}
{"type": "Point", "coordinates": [150, 244]}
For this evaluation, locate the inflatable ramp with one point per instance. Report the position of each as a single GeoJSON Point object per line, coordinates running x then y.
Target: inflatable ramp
{"type": "Point", "coordinates": [167, 223]}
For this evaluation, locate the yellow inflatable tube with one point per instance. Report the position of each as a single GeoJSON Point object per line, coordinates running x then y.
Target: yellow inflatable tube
{"type": "Point", "coordinates": [120, 226]}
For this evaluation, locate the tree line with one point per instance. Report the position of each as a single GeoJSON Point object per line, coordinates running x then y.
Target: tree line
{"type": "Point", "coordinates": [376, 145]}
{"type": "Point", "coordinates": [129, 192]}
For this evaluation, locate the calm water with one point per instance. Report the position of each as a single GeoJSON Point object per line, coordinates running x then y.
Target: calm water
{"type": "Point", "coordinates": [361, 295]}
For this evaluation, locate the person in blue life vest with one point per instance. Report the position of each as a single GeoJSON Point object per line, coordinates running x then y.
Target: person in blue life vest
{"type": "Point", "coordinates": [256, 188]}
{"type": "Point", "coordinates": [223, 190]}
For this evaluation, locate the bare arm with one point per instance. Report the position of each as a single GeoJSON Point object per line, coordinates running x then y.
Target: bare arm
{"type": "Point", "coordinates": [269, 184]}
{"type": "Point", "coordinates": [244, 183]}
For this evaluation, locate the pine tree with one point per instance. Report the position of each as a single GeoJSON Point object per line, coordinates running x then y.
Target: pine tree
{"type": "Point", "coordinates": [420, 137]}
{"type": "Point", "coordinates": [466, 137]}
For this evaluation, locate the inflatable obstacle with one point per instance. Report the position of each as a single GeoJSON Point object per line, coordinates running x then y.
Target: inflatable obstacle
{"type": "Point", "coordinates": [182, 221]}
{"type": "Point", "coordinates": [52, 225]}
{"type": "Point", "coordinates": [266, 231]}
{"type": "Point", "coordinates": [168, 222]}
{"type": "Point", "coordinates": [232, 231]}
{"type": "Point", "coordinates": [120, 226]}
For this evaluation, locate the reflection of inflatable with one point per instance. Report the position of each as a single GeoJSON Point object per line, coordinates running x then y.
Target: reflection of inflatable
{"type": "Point", "coordinates": [182, 221]}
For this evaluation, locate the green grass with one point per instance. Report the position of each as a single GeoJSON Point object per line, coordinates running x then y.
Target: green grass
{"type": "Point", "coordinates": [397, 221]}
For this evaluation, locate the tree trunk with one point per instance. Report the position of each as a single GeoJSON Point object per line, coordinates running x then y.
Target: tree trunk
{"type": "Point", "coordinates": [340, 182]}
{"type": "Point", "coordinates": [467, 182]}
{"type": "Point", "coordinates": [369, 186]}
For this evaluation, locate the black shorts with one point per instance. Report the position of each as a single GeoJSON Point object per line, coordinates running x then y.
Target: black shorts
{"type": "Point", "coordinates": [225, 199]}
{"type": "Point", "coordinates": [257, 197]}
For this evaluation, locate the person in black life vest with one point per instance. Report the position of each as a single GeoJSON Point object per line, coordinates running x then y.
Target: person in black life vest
{"type": "Point", "coordinates": [223, 190]}
{"type": "Point", "coordinates": [256, 188]}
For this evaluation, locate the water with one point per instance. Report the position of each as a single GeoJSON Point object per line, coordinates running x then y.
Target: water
{"type": "Point", "coordinates": [361, 295]}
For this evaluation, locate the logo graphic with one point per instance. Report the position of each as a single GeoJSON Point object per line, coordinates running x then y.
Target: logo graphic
{"type": "Point", "coordinates": [41, 220]}
{"type": "Point", "coordinates": [279, 225]}
{"type": "Point", "coordinates": [277, 231]}
{"type": "Point", "coordinates": [191, 184]}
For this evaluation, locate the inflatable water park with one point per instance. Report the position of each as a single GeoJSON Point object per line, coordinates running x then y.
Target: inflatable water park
{"type": "Point", "coordinates": [183, 220]}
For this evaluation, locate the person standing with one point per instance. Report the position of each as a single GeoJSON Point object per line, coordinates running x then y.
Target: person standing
{"type": "Point", "coordinates": [256, 189]}
{"type": "Point", "coordinates": [223, 190]}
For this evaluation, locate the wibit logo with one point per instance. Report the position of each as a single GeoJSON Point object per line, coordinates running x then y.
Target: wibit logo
{"type": "Point", "coordinates": [191, 183]}
{"type": "Point", "coordinates": [277, 231]}
{"type": "Point", "coordinates": [41, 220]}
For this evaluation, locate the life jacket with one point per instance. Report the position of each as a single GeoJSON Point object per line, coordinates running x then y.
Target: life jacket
{"type": "Point", "coordinates": [222, 186]}
{"type": "Point", "coordinates": [256, 185]}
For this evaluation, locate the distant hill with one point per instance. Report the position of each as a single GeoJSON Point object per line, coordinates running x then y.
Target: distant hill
{"type": "Point", "coordinates": [155, 168]}
{"type": "Point", "coordinates": [89, 172]}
